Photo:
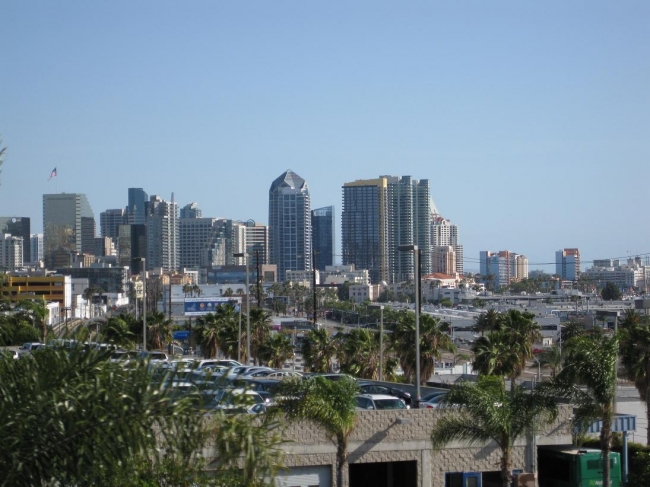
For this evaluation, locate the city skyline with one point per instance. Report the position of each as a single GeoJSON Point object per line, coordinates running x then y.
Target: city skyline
{"type": "Point", "coordinates": [529, 120]}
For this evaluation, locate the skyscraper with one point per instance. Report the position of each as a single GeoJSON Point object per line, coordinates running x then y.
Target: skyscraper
{"type": "Point", "coordinates": [68, 227]}
{"type": "Point", "coordinates": [257, 242]}
{"type": "Point", "coordinates": [502, 268]}
{"type": "Point", "coordinates": [567, 264]}
{"type": "Point", "coordinates": [162, 234]}
{"type": "Point", "coordinates": [36, 247]}
{"type": "Point", "coordinates": [380, 215]}
{"type": "Point", "coordinates": [191, 210]}
{"type": "Point", "coordinates": [289, 224]}
{"type": "Point", "coordinates": [18, 227]}
{"type": "Point", "coordinates": [205, 242]}
{"type": "Point", "coordinates": [11, 252]}
{"type": "Point", "coordinates": [443, 232]}
{"type": "Point", "coordinates": [136, 206]}
{"type": "Point", "coordinates": [364, 226]}
{"type": "Point", "coordinates": [110, 221]}
{"type": "Point", "coordinates": [323, 236]}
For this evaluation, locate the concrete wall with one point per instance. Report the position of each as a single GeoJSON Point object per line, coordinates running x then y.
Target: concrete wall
{"type": "Point", "coordinates": [389, 436]}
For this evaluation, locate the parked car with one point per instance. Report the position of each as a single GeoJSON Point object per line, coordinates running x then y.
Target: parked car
{"type": "Point", "coordinates": [380, 402]}
{"type": "Point", "coordinates": [433, 403]}
{"type": "Point", "coordinates": [10, 353]}
{"type": "Point", "coordinates": [373, 388]}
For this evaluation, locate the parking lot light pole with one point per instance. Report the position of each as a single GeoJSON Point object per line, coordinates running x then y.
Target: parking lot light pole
{"type": "Point", "coordinates": [143, 271]}
{"type": "Point", "coordinates": [380, 307]}
{"type": "Point", "coordinates": [248, 313]}
{"type": "Point", "coordinates": [416, 262]}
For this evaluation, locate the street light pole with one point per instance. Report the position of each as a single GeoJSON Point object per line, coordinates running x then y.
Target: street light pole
{"type": "Point", "coordinates": [380, 307]}
{"type": "Point", "coordinates": [248, 314]}
{"type": "Point", "coordinates": [416, 261]}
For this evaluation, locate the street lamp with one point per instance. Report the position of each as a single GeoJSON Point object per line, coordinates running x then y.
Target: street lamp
{"type": "Point", "coordinates": [380, 307]}
{"type": "Point", "coordinates": [248, 313]}
{"type": "Point", "coordinates": [144, 302]}
{"type": "Point", "coordinates": [416, 260]}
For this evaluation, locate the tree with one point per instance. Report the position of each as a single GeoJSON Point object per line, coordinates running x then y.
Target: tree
{"type": "Point", "coordinates": [35, 312]}
{"type": "Point", "coordinates": [159, 330]}
{"type": "Point", "coordinates": [318, 350]}
{"type": "Point", "coordinates": [552, 357]}
{"type": "Point", "coordinates": [433, 340]}
{"type": "Point", "coordinates": [486, 411]}
{"type": "Point", "coordinates": [611, 292]}
{"type": "Point", "coordinates": [207, 332]}
{"type": "Point", "coordinates": [276, 350]}
{"type": "Point", "coordinates": [118, 331]}
{"type": "Point", "coordinates": [635, 357]}
{"type": "Point", "coordinates": [589, 380]}
{"type": "Point", "coordinates": [260, 327]}
{"type": "Point", "coordinates": [329, 404]}
{"type": "Point", "coordinates": [488, 321]}
{"type": "Point", "coordinates": [358, 353]}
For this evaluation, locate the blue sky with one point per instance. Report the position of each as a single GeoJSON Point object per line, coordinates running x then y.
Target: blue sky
{"type": "Point", "coordinates": [530, 119]}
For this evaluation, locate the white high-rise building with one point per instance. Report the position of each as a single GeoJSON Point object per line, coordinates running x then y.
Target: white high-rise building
{"type": "Point", "coordinates": [11, 252]}
{"type": "Point", "coordinates": [444, 233]}
{"type": "Point", "coordinates": [162, 235]}
{"type": "Point", "coordinates": [36, 246]}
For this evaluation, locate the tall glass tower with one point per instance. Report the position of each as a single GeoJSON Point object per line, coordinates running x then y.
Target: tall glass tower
{"type": "Point", "coordinates": [322, 228]}
{"type": "Point", "coordinates": [289, 224]}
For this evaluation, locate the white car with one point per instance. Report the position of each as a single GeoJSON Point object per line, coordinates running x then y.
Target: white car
{"type": "Point", "coordinates": [371, 402]}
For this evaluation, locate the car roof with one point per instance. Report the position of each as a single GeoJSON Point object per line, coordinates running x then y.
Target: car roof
{"type": "Point", "coordinates": [377, 397]}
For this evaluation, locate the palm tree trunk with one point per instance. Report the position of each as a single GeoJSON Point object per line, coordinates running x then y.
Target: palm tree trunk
{"type": "Point", "coordinates": [506, 471]}
{"type": "Point", "coordinates": [606, 443]}
{"type": "Point", "coordinates": [341, 458]}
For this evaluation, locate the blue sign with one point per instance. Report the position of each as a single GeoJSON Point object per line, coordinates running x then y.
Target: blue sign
{"type": "Point", "coordinates": [181, 335]}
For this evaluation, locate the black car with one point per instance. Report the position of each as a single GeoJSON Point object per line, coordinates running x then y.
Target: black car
{"type": "Point", "coordinates": [373, 388]}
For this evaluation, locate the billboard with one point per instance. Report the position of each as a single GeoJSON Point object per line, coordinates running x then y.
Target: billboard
{"type": "Point", "coordinates": [204, 306]}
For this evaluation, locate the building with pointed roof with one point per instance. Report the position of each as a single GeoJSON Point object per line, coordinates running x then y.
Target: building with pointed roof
{"type": "Point", "coordinates": [289, 224]}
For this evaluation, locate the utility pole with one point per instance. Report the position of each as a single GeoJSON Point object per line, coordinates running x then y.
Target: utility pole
{"type": "Point", "coordinates": [258, 288]}
{"type": "Point", "coordinates": [313, 256]}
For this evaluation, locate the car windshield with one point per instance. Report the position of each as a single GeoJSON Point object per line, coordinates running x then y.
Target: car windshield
{"type": "Point", "coordinates": [389, 404]}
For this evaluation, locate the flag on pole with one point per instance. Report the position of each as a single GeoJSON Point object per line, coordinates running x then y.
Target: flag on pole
{"type": "Point", "coordinates": [53, 173]}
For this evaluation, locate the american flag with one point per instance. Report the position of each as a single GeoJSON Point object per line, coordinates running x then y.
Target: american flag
{"type": "Point", "coordinates": [53, 173]}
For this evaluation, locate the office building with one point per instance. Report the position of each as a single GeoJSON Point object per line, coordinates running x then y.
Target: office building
{"type": "Point", "coordinates": [36, 247]}
{"type": "Point", "coordinates": [206, 242]}
{"type": "Point", "coordinates": [191, 210]}
{"type": "Point", "coordinates": [323, 236]}
{"type": "Point", "coordinates": [290, 242]}
{"type": "Point", "coordinates": [162, 235]}
{"type": "Point", "coordinates": [443, 260]}
{"type": "Point", "coordinates": [136, 208]}
{"type": "Point", "coordinates": [567, 264]}
{"type": "Point", "coordinates": [68, 228]}
{"type": "Point", "coordinates": [18, 227]}
{"type": "Point", "coordinates": [500, 269]}
{"type": "Point", "coordinates": [110, 221]}
{"type": "Point", "coordinates": [257, 242]}
{"type": "Point", "coordinates": [132, 247]}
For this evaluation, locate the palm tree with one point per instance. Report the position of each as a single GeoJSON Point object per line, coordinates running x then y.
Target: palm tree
{"type": "Point", "coordinates": [433, 340]}
{"type": "Point", "coordinates": [635, 357]}
{"type": "Point", "coordinates": [329, 404]}
{"type": "Point", "coordinates": [495, 354]}
{"type": "Point", "coordinates": [359, 353]}
{"type": "Point", "coordinates": [159, 330]}
{"type": "Point", "coordinates": [318, 350]}
{"type": "Point", "coordinates": [35, 312]}
{"type": "Point", "coordinates": [117, 331]}
{"type": "Point", "coordinates": [589, 380]}
{"type": "Point", "coordinates": [207, 334]}
{"type": "Point", "coordinates": [632, 317]}
{"type": "Point", "coordinates": [488, 321]}
{"type": "Point", "coordinates": [553, 358]}
{"type": "Point", "coordinates": [488, 412]}
{"type": "Point", "coordinates": [276, 350]}
{"type": "Point", "coordinates": [260, 326]}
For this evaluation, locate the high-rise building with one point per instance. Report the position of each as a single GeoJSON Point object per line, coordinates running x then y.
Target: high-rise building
{"type": "Point", "coordinates": [18, 227]}
{"type": "Point", "coordinates": [162, 234]}
{"type": "Point", "coordinates": [110, 221]}
{"type": "Point", "coordinates": [11, 252]}
{"type": "Point", "coordinates": [502, 268]}
{"type": "Point", "coordinates": [104, 246]}
{"type": "Point", "coordinates": [364, 226]}
{"type": "Point", "coordinates": [443, 232]}
{"type": "Point", "coordinates": [257, 242]}
{"type": "Point", "coordinates": [443, 259]}
{"type": "Point", "coordinates": [68, 228]}
{"type": "Point", "coordinates": [191, 210]}
{"type": "Point", "coordinates": [323, 236]}
{"type": "Point", "coordinates": [567, 264]}
{"type": "Point", "coordinates": [379, 216]}
{"type": "Point", "coordinates": [36, 247]}
{"type": "Point", "coordinates": [289, 224]}
{"type": "Point", "coordinates": [136, 208]}
{"type": "Point", "coordinates": [206, 242]}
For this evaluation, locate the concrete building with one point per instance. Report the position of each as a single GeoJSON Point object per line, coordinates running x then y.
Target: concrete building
{"type": "Point", "coordinates": [290, 237]}
{"type": "Point", "coordinates": [364, 292]}
{"type": "Point", "coordinates": [113, 280]}
{"type": "Point", "coordinates": [49, 288]}
{"type": "Point", "coordinates": [443, 259]}
{"type": "Point", "coordinates": [18, 227]}
{"type": "Point", "coordinates": [567, 264]}
{"type": "Point", "coordinates": [110, 222]}
{"type": "Point", "coordinates": [323, 229]}
{"type": "Point", "coordinates": [104, 246]}
{"type": "Point", "coordinates": [162, 235]}
{"type": "Point", "coordinates": [68, 227]}
{"type": "Point", "coordinates": [257, 242]}
{"type": "Point", "coordinates": [11, 252]}
{"type": "Point", "coordinates": [206, 242]}
{"type": "Point", "coordinates": [443, 232]}
{"type": "Point", "coordinates": [340, 274]}
{"type": "Point", "coordinates": [502, 268]}
{"type": "Point", "coordinates": [132, 246]}
{"type": "Point", "coordinates": [627, 276]}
